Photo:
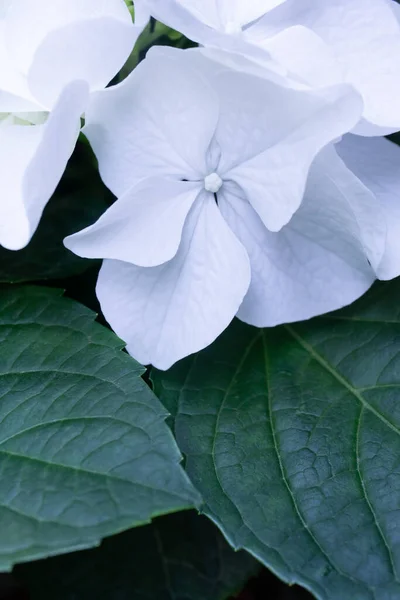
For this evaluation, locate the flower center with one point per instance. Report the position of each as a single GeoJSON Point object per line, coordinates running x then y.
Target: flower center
{"type": "Point", "coordinates": [213, 183]}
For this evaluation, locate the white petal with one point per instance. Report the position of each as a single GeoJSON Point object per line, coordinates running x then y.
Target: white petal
{"type": "Point", "coordinates": [243, 13]}
{"type": "Point", "coordinates": [355, 204]}
{"type": "Point", "coordinates": [302, 52]}
{"type": "Point", "coordinates": [367, 41]}
{"type": "Point", "coordinates": [270, 135]}
{"type": "Point", "coordinates": [207, 12]}
{"type": "Point", "coordinates": [15, 95]}
{"type": "Point", "coordinates": [158, 122]}
{"type": "Point", "coordinates": [28, 23]}
{"type": "Point", "coordinates": [143, 227]}
{"type": "Point", "coordinates": [4, 7]}
{"type": "Point", "coordinates": [225, 14]}
{"type": "Point", "coordinates": [97, 50]}
{"type": "Point", "coordinates": [250, 60]}
{"type": "Point", "coordinates": [317, 263]}
{"type": "Point", "coordinates": [66, 40]}
{"type": "Point", "coordinates": [168, 312]}
{"type": "Point", "coordinates": [364, 37]}
{"type": "Point", "coordinates": [9, 103]}
{"type": "Point", "coordinates": [218, 14]}
{"type": "Point", "coordinates": [213, 27]}
{"type": "Point", "coordinates": [142, 14]}
{"type": "Point", "coordinates": [376, 161]}
{"type": "Point", "coordinates": [183, 18]}
{"type": "Point", "coordinates": [32, 161]}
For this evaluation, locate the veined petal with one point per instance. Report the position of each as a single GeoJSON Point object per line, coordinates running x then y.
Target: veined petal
{"type": "Point", "coordinates": [157, 122]}
{"type": "Point", "coordinates": [376, 162]}
{"type": "Point", "coordinates": [143, 227]}
{"type": "Point", "coordinates": [313, 265]}
{"type": "Point", "coordinates": [32, 161]}
{"type": "Point", "coordinates": [168, 312]}
{"type": "Point", "coordinates": [270, 135]}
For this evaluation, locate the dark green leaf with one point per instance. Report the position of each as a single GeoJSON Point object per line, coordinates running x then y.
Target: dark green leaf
{"type": "Point", "coordinates": [84, 449]}
{"type": "Point", "coordinates": [292, 436]}
{"type": "Point", "coordinates": [178, 557]}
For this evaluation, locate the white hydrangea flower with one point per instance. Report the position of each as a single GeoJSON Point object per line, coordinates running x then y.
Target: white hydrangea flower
{"type": "Point", "coordinates": [210, 166]}
{"type": "Point", "coordinates": [315, 42]}
{"type": "Point", "coordinates": [52, 55]}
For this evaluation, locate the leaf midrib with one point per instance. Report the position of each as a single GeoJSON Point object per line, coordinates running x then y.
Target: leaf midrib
{"type": "Point", "coordinates": [285, 479]}
{"type": "Point", "coordinates": [364, 406]}
{"type": "Point", "coordinates": [87, 472]}
{"type": "Point", "coordinates": [344, 382]}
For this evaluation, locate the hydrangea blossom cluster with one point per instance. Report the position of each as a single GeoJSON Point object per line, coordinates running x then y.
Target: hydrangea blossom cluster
{"type": "Point", "coordinates": [251, 173]}
{"type": "Point", "coordinates": [53, 55]}
{"type": "Point", "coordinates": [221, 209]}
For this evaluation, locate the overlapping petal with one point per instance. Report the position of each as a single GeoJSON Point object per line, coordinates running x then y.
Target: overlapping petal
{"type": "Point", "coordinates": [224, 15]}
{"type": "Point", "coordinates": [32, 161]}
{"type": "Point", "coordinates": [243, 13]}
{"type": "Point", "coordinates": [159, 121]}
{"type": "Point", "coordinates": [165, 313]}
{"type": "Point", "coordinates": [376, 162]}
{"type": "Point", "coordinates": [143, 227]}
{"type": "Point", "coordinates": [291, 233]}
{"type": "Point", "coordinates": [362, 37]}
{"type": "Point", "coordinates": [305, 57]}
{"type": "Point", "coordinates": [92, 51]}
{"type": "Point", "coordinates": [51, 54]}
{"type": "Point", "coordinates": [320, 261]}
{"type": "Point", "coordinates": [270, 135]}
{"type": "Point", "coordinates": [318, 43]}
{"type": "Point", "coordinates": [44, 46]}
{"type": "Point", "coordinates": [66, 40]}
{"type": "Point", "coordinates": [162, 119]}
{"type": "Point", "coordinates": [29, 23]}
{"type": "Point", "coordinates": [194, 24]}
{"type": "Point", "coordinates": [215, 25]}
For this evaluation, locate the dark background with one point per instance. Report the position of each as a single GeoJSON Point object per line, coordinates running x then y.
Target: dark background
{"type": "Point", "coordinates": [264, 587]}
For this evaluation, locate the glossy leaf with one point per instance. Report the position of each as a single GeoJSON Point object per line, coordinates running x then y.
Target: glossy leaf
{"type": "Point", "coordinates": [84, 448]}
{"type": "Point", "coordinates": [292, 435]}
